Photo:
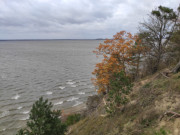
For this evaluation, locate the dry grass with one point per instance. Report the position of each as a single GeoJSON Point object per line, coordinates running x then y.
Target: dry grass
{"type": "Point", "coordinates": [150, 98]}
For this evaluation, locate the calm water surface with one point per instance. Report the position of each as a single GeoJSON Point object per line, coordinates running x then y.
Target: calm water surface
{"type": "Point", "coordinates": [59, 70]}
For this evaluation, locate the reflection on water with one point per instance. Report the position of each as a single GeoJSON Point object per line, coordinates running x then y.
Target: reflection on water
{"type": "Point", "coordinates": [59, 70]}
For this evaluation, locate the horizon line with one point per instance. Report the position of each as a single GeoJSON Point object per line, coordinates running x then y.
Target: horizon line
{"type": "Point", "coordinates": [50, 39]}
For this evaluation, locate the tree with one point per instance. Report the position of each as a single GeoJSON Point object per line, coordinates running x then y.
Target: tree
{"type": "Point", "coordinates": [43, 121]}
{"type": "Point", "coordinates": [175, 40]}
{"type": "Point", "coordinates": [120, 86]}
{"type": "Point", "coordinates": [157, 31]}
{"type": "Point", "coordinates": [118, 55]}
{"type": "Point", "coordinates": [139, 52]}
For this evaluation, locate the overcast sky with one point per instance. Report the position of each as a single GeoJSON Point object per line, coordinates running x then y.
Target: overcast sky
{"type": "Point", "coordinates": [73, 19]}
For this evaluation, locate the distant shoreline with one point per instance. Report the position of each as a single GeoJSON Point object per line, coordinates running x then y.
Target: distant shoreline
{"type": "Point", "coordinates": [43, 39]}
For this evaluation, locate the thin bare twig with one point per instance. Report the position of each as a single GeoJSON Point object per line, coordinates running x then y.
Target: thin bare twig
{"type": "Point", "coordinates": [164, 75]}
{"type": "Point", "coordinates": [173, 115]}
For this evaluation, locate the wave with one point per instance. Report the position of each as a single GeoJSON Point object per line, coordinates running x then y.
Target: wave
{"type": "Point", "coordinates": [61, 87]}
{"type": "Point", "coordinates": [69, 80]}
{"type": "Point", "coordinates": [49, 92]}
{"type": "Point", "coordinates": [4, 129]}
{"type": "Point", "coordinates": [16, 97]}
{"type": "Point", "coordinates": [58, 103]}
{"type": "Point", "coordinates": [81, 93]}
{"type": "Point", "coordinates": [5, 113]}
{"type": "Point", "coordinates": [70, 83]}
{"type": "Point", "coordinates": [91, 86]}
{"type": "Point", "coordinates": [25, 112]}
{"type": "Point", "coordinates": [77, 103]}
{"type": "Point", "coordinates": [20, 107]}
{"type": "Point", "coordinates": [25, 118]}
{"type": "Point", "coordinates": [72, 99]}
{"type": "Point", "coordinates": [73, 86]}
{"type": "Point", "coordinates": [82, 84]}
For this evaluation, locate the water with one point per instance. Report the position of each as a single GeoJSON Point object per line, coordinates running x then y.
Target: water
{"type": "Point", "coordinates": [59, 70]}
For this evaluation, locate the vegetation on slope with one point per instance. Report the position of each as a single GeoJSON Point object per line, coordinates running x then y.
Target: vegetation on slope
{"type": "Point", "coordinates": [43, 121]}
{"type": "Point", "coordinates": [145, 114]}
{"type": "Point", "coordinates": [151, 107]}
{"type": "Point", "coordinates": [154, 102]}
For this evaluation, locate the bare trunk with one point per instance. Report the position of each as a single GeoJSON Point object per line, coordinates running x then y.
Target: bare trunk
{"type": "Point", "coordinates": [177, 68]}
{"type": "Point", "coordinates": [137, 67]}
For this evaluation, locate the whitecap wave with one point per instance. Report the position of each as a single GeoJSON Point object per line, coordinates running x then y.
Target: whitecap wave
{"type": "Point", "coordinates": [70, 83]}
{"type": "Point", "coordinates": [77, 103]}
{"type": "Point", "coordinates": [91, 86]}
{"type": "Point", "coordinates": [20, 107]}
{"type": "Point", "coordinates": [16, 97]}
{"type": "Point", "coordinates": [81, 93]}
{"type": "Point", "coordinates": [19, 126]}
{"type": "Point", "coordinates": [4, 129]}
{"type": "Point", "coordinates": [61, 87]}
{"type": "Point", "coordinates": [25, 112]}
{"type": "Point", "coordinates": [73, 86]}
{"type": "Point", "coordinates": [58, 103]}
{"type": "Point", "coordinates": [25, 118]}
{"type": "Point", "coordinates": [49, 92]}
{"type": "Point", "coordinates": [72, 99]}
{"type": "Point", "coordinates": [3, 114]}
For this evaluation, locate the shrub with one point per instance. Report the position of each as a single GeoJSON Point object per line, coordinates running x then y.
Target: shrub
{"type": "Point", "coordinates": [43, 121]}
{"type": "Point", "coordinates": [72, 119]}
{"type": "Point", "coordinates": [120, 87]}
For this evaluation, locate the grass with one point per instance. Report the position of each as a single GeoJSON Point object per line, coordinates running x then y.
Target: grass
{"type": "Point", "coordinates": [162, 131]}
{"type": "Point", "coordinates": [147, 85]}
{"type": "Point", "coordinates": [141, 117]}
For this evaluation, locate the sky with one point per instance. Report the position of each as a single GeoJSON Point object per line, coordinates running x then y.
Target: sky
{"type": "Point", "coordinates": [73, 19]}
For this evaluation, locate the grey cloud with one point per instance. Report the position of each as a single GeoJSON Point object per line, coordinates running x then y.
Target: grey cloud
{"type": "Point", "coordinates": [72, 18]}
{"type": "Point", "coordinates": [61, 12]}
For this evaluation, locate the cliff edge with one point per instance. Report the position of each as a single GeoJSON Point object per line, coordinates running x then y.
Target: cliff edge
{"type": "Point", "coordinates": [154, 109]}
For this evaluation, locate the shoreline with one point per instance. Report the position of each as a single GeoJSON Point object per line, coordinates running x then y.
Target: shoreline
{"type": "Point", "coordinates": [79, 109]}
{"type": "Point", "coordinates": [76, 109]}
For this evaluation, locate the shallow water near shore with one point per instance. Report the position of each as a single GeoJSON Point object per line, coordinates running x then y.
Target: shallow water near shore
{"type": "Point", "coordinates": [59, 70]}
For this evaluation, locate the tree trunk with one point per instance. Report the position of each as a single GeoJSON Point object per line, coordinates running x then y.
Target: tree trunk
{"type": "Point", "coordinates": [137, 67]}
{"type": "Point", "coordinates": [177, 68]}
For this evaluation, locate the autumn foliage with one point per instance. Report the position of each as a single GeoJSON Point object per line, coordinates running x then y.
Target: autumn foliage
{"type": "Point", "coordinates": [119, 54]}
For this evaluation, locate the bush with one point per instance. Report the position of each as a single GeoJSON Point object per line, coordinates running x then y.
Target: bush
{"type": "Point", "coordinates": [120, 87]}
{"type": "Point", "coordinates": [43, 121]}
{"type": "Point", "coordinates": [72, 119]}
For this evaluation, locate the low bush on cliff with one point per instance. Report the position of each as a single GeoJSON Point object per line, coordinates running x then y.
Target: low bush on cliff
{"type": "Point", "coordinates": [120, 86]}
{"type": "Point", "coordinates": [72, 119]}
